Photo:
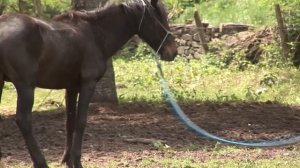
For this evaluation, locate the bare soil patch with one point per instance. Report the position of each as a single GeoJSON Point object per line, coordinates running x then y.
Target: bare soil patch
{"type": "Point", "coordinates": [111, 126]}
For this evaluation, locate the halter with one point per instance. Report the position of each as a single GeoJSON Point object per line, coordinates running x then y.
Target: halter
{"type": "Point", "coordinates": [142, 19]}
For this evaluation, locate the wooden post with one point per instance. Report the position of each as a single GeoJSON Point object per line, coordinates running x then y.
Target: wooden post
{"type": "Point", "coordinates": [296, 56]}
{"type": "Point", "coordinates": [282, 32]}
{"type": "Point", "coordinates": [200, 31]}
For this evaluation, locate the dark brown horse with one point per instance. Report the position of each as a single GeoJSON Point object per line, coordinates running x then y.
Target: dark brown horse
{"type": "Point", "coordinates": [70, 52]}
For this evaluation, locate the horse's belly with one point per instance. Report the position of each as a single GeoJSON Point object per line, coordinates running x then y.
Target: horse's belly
{"type": "Point", "coordinates": [57, 80]}
{"type": "Point", "coordinates": [55, 85]}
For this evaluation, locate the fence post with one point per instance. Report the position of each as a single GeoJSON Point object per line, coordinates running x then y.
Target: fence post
{"type": "Point", "coordinates": [200, 31]}
{"type": "Point", "coordinates": [282, 32]}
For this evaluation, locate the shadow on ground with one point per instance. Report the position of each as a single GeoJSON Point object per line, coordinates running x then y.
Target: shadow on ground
{"type": "Point", "coordinates": [110, 126]}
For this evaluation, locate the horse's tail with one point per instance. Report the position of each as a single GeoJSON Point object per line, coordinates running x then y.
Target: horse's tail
{"type": "Point", "coordinates": [1, 84]}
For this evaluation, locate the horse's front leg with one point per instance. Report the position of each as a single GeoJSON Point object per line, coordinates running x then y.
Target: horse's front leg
{"type": "Point", "coordinates": [71, 101]}
{"type": "Point", "coordinates": [85, 95]}
{"type": "Point", "coordinates": [23, 119]}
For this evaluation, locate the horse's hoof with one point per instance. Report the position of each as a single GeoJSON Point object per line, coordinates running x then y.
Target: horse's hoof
{"type": "Point", "coordinates": [42, 165]}
{"type": "Point", "coordinates": [77, 164]}
{"type": "Point", "coordinates": [67, 160]}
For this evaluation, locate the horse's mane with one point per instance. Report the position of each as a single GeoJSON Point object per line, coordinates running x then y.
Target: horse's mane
{"type": "Point", "coordinates": [93, 14]}
{"type": "Point", "coordinates": [101, 11]}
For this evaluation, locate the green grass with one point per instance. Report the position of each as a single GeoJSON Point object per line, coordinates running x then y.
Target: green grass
{"type": "Point", "coordinates": [45, 99]}
{"type": "Point", "coordinates": [194, 81]}
{"type": "Point", "coordinates": [255, 12]}
{"type": "Point", "coordinates": [191, 81]}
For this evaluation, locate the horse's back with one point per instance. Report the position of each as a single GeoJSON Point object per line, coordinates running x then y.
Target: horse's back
{"type": "Point", "coordinates": [20, 45]}
{"type": "Point", "coordinates": [15, 27]}
{"type": "Point", "coordinates": [45, 54]}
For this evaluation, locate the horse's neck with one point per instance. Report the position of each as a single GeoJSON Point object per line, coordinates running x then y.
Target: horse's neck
{"type": "Point", "coordinates": [117, 29]}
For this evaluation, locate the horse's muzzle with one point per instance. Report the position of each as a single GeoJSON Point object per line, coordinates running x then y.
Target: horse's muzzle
{"type": "Point", "coordinates": [169, 53]}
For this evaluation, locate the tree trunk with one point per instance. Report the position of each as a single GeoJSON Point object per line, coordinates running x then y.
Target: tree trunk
{"type": "Point", "coordinates": [106, 87]}
{"type": "Point", "coordinates": [22, 6]}
{"type": "Point", "coordinates": [78, 4]}
{"type": "Point", "coordinates": [87, 4]}
{"type": "Point", "coordinates": [38, 8]}
{"type": "Point", "coordinates": [2, 7]}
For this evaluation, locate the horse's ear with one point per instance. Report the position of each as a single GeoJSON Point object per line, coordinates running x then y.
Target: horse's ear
{"type": "Point", "coordinates": [154, 3]}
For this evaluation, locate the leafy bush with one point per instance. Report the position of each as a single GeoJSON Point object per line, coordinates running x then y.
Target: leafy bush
{"type": "Point", "coordinates": [143, 52]}
{"type": "Point", "coordinates": [256, 12]}
{"type": "Point", "coordinates": [49, 7]}
{"type": "Point", "coordinates": [54, 7]}
{"type": "Point", "coordinates": [272, 57]}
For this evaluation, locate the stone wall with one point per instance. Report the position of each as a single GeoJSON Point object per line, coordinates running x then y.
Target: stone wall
{"type": "Point", "coordinates": [187, 37]}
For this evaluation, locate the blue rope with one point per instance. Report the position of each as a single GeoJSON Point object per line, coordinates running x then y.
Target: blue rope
{"type": "Point", "coordinates": [201, 132]}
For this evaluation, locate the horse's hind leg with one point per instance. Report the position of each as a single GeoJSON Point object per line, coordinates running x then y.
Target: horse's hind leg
{"type": "Point", "coordinates": [1, 88]}
{"type": "Point", "coordinates": [86, 92]}
{"type": "Point", "coordinates": [24, 122]}
{"type": "Point", "coordinates": [71, 100]}
{"type": "Point", "coordinates": [1, 85]}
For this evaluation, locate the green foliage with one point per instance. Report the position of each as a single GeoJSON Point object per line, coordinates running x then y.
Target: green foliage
{"type": "Point", "coordinates": [45, 99]}
{"type": "Point", "coordinates": [256, 12]}
{"type": "Point", "coordinates": [180, 11]}
{"type": "Point", "coordinates": [10, 5]}
{"type": "Point", "coordinates": [49, 7]}
{"type": "Point", "coordinates": [208, 79]}
{"type": "Point", "coordinates": [222, 76]}
{"type": "Point", "coordinates": [187, 3]}
{"type": "Point", "coordinates": [272, 56]}
{"type": "Point", "coordinates": [291, 17]}
{"type": "Point", "coordinates": [250, 11]}
{"type": "Point", "coordinates": [235, 58]}
{"type": "Point", "coordinates": [54, 7]}
{"type": "Point", "coordinates": [143, 52]}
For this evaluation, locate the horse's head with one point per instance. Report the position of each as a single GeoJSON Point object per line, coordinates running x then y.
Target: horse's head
{"type": "Point", "coordinates": [154, 29]}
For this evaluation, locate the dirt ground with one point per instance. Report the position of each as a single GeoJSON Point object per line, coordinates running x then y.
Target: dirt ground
{"type": "Point", "coordinates": [112, 128]}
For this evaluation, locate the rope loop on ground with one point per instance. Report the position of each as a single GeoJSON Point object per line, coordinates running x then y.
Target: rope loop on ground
{"type": "Point", "coordinates": [171, 101]}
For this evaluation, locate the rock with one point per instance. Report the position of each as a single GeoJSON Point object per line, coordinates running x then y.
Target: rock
{"type": "Point", "coordinates": [181, 50]}
{"type": "Point", "coordinates": [197, 56]}
{"type": "Point", "coordinates": [195, 44]}
{"type": "Point", "coordinates": [187, 52]}
{"type": "Point", "coordinates": [199, 51]}
{"type": "Point", "coordinates": [231, 28]}
{"type": "Point", "coordinates": [189, 43]}
{"type": "Point", "coordinates": [196, 37]}
{"type": "Point", "coordinates": [187, 37]}
{"type": "Point", "coordinates": [182, 42]}
{"type": "Point", "coordinates": [189, 57]}
{"type": "Point", "coordinates": [187, 47]}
